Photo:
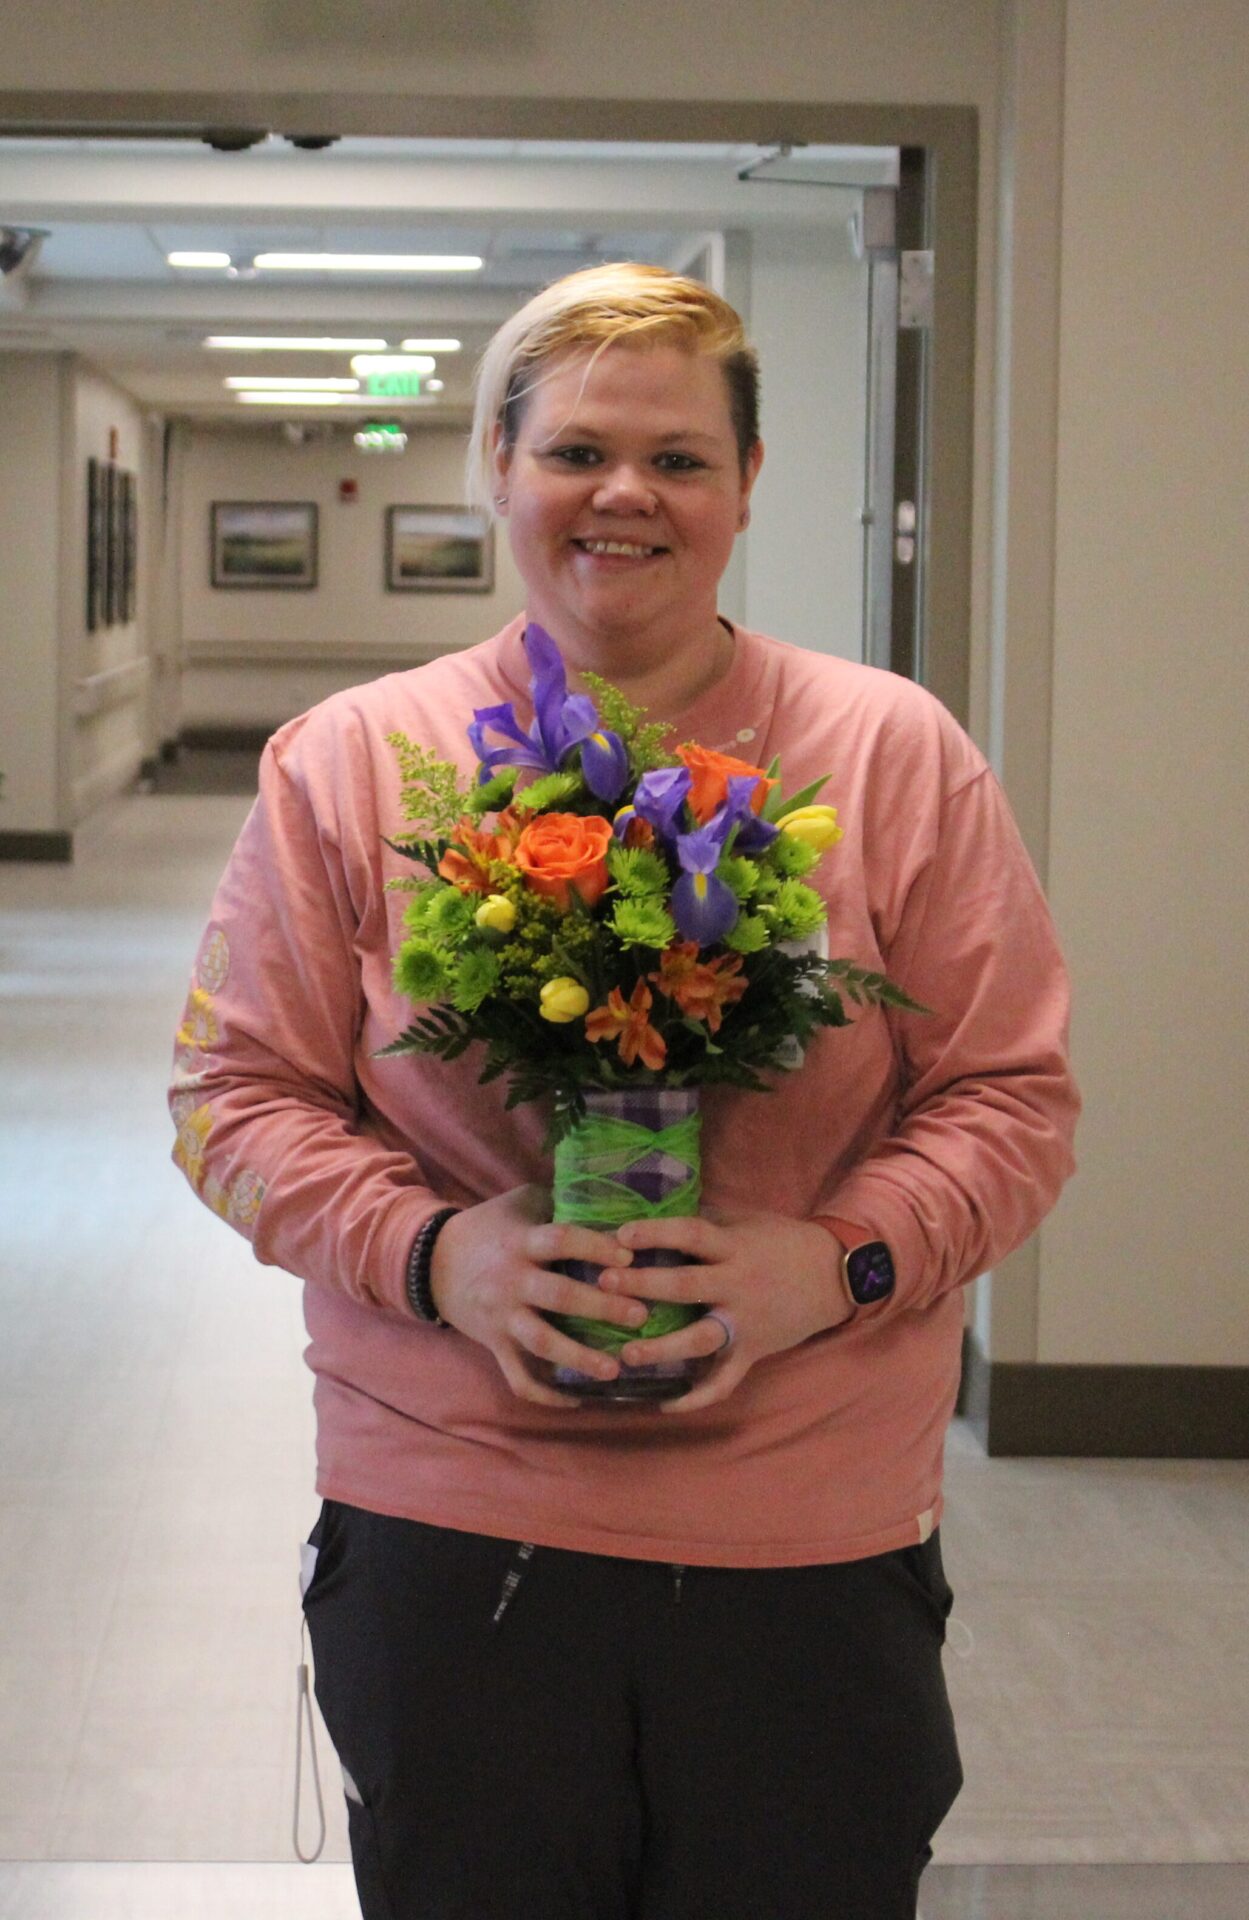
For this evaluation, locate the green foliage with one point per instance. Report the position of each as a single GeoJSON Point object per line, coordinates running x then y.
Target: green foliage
{"type": "Point", "coordinates": [775, 807]}
{"type": "Point", "coordinates": [431, 791]}
{"type": "Point", "coordinates": [644, 742]}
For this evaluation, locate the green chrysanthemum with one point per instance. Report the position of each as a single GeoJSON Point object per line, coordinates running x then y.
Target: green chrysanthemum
{"type": "Point", "coordinates": [637, 872]}
{"type": "Point", "coordinates": [796, 911]}
{"type": "Point", "coordinates": [748, 934]}
{"type": "Point", "coordinates": [450, 914]}
{"type": "Point", "coordinates": [643, 923]}
{"type": "Point", "coordinates": [420, 971]}
{"type": "Point", "coordinates": [740, 875]}
{"type": "Point", "coordinates": [794, 857]}
{"type": "Point", "coordinates": [477, 976]}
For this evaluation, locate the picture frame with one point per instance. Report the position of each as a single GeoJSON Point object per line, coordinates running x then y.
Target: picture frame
{"type": "Point", "coordinates": [112, 544]}
{"type": "Point", "coordinates": [439, 550]}
{"type": "Point", "coordinates": [129, 545]}
{"type": "Point", "coordinates": [263, 546]}
{"type": "Point", "coordinates": [97, 539]}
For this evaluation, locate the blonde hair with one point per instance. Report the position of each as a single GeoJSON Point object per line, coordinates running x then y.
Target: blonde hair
{"type": "Point", "coordinates": [591, 309]}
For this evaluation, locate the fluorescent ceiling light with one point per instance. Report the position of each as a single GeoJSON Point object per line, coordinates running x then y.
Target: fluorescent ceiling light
{"type": "Point", "coordinates": [267, 383]}
{"type": "Point", "coordinates": [301, 399]}
{"type": "Point", "coordinates": [291, 398]}
{"type": "Point", "coordinates": [368, 262]}
{"type": "Point", "coordinates": [430, 346]}
{"type": "Point", "coordinates": [367, 363]}
{"type": "Point", "coordinates": [250, 342]}
{"type": "Point", "coordinates": [433, 386]}
{"type": "Point", "coordinates": [198, 259]}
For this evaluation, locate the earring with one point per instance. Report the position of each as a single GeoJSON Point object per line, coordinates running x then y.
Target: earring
{"type": "Point", "coordinates": [500, 499]}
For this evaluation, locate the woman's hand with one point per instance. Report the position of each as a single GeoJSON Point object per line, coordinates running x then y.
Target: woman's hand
{"type": "Point", "coordinates": [491, 1279]}
{"type": "Point", "coordinates": [775, 1280]}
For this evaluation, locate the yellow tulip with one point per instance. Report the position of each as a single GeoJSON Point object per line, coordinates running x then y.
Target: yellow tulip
{"type": "Point", "coordinates": [496, 912]}
{"type": "Point", "coordinates": [817, 826]}
{"type": "Point", "coordinates": [563, 1000]}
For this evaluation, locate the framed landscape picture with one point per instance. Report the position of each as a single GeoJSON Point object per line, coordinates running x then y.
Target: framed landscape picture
{"type": "Point", "coordinates": [129, 544]}
{"type": "Point", "coordinates": [439, 550]}
{"type": "Point", "coordinates": [97, 541]}
{"type": "Point", "coordinates": [264, 544]}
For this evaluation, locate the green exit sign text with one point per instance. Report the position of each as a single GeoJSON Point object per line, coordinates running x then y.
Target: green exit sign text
{"type": "Point", "coordinates": [392, 386]}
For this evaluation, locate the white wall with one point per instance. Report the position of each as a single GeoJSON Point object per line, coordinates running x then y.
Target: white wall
{"type": "Point", "coordinates": [804, 550]}
{"type": "Point", "coordinates": [1146, 1258]}
{"type": "Point", "coordinates": [257, 658]}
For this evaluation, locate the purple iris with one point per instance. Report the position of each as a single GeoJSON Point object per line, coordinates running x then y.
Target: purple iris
{"type": "Point", "coordinates": [704, 908]}
{"type": "Point", "coordinates": [753, 833]}
{"type": "Point", "coordinates": [660, 797]}
{"type": "Point", "coordinates": [562, 721]}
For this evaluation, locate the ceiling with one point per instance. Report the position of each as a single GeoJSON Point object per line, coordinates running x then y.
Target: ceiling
{"type": "Point", "coordinates": [101, 285]}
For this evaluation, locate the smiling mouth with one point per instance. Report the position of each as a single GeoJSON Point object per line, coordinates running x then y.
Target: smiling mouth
{"type": "Point", "coordinates": [627, 549]}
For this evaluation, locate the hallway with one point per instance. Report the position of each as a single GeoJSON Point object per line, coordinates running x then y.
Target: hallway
{"type": "Point", "coordinates": [156, 1477]}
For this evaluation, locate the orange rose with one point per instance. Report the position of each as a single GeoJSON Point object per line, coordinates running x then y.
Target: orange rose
{"type": "Point", "coordinates": [558, 851]}
{"type": "Point", "coordinates": [710, 772]}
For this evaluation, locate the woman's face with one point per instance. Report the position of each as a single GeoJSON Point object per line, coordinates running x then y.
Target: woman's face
{"type": "Point", "coordinates": [624, 494]}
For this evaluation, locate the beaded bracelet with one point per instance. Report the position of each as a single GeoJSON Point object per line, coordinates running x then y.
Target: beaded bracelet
{"type": "Point", "coordinates": [420, 1260]}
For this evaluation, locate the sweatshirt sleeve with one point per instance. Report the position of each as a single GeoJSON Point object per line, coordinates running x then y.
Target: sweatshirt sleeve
{"type": "Point", "coordinates": [270, 1129]}
{"type": "Point", "coordinates": [981, 1143]}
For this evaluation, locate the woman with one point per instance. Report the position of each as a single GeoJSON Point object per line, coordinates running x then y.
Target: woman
{"type": "Point", "coordinates": [583, 1660]}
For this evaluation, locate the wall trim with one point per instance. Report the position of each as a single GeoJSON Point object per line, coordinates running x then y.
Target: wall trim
{"type": "Point", "coordinates": [1038, 1409]}
{"type": "Point", "coordinates": [226, 739]}
{"type": "Point", "coordinates": [37, 846]}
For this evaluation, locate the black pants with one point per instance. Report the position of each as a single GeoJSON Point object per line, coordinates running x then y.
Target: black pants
{"type": "Point", "coordinates": [545, 1735]}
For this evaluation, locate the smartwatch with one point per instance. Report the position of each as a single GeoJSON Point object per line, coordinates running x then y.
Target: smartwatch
{"type": "Point", "coordinates": [868, 1273]}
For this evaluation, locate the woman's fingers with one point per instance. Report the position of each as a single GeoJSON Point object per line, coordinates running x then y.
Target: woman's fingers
{"type": "Point", "coordinates": [703, 1339]}
{"type": "Point", "coordinates": [560, 1240]}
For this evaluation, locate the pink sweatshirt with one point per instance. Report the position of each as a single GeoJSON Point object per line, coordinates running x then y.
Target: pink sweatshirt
{"type": "Point", "coordinates": [948, 1136]}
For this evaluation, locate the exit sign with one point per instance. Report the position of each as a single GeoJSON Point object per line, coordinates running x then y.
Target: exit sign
{"type": "Point", "coordinates": [392, 386]}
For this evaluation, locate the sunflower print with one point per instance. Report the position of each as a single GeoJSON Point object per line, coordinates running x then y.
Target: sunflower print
{"type": "Point", "coordinates": [189, 1148]}
{"type": "Point", "coordinates": [213, 965]}
{"type": "Point", "coordinates": [199, 1027]}
{"type": "Point", "coordinates": [247, 1191]}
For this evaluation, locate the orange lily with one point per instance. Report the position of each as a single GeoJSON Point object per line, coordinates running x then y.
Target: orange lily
{"type": "Point", "coordinates": [701, 988]}
{"type": "Point", "coordinates": [629, 1026]}
{"type": "Point", "coordinates": [467, 864]}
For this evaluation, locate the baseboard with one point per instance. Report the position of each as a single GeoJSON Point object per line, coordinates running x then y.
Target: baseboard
{"type": "Point", "coordinates": [228, 739]}
{"type": "Point", "coordinates": [37, 846]}
{"type": "Point", "coordinates": [1105, 1412]}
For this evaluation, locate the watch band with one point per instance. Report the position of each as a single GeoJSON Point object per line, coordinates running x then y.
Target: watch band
{"type": "Point", "coordinates": [420, 1260]}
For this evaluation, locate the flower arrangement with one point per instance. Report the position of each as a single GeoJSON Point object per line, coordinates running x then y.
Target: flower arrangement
{"type": "Point", "coordinates": [627, 917]}
{"type": "Point", "coordinates": [619, 926]}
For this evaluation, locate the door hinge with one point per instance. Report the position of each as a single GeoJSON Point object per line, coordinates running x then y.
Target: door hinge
{"type": "Point", "coordinates": [915, 275]}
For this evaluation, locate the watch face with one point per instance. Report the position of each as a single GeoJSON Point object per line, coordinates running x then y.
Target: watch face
{"type": "Point", "coordinates": [870, 1272]}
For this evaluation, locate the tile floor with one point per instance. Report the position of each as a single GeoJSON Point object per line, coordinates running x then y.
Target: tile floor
{"type": "Point", "coordinates": [155, 1478]}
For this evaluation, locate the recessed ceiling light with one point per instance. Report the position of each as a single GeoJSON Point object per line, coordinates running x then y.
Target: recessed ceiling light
{"type": "Point", "coordinates": [266, 383]}
{"type": "Point", "coordinates": [430, 346]}
{"type": "Point", "coordinates": [249, 342]}
{"type": "Point", "coordinates": [198, 259]}
{"type": "Point", "coordinates": [433, 386]}
{"type": "Point", "coordinates": [368, 262]}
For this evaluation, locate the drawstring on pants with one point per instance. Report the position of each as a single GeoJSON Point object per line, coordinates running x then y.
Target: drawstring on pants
{"type": "Point", "coordinates": [515, 1574]}
{"type": "Point", "coordinates": [678, 1575]}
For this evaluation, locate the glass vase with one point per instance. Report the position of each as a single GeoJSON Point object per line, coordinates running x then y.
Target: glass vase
{"type": "Point", "coordinates": [635, 1156]}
